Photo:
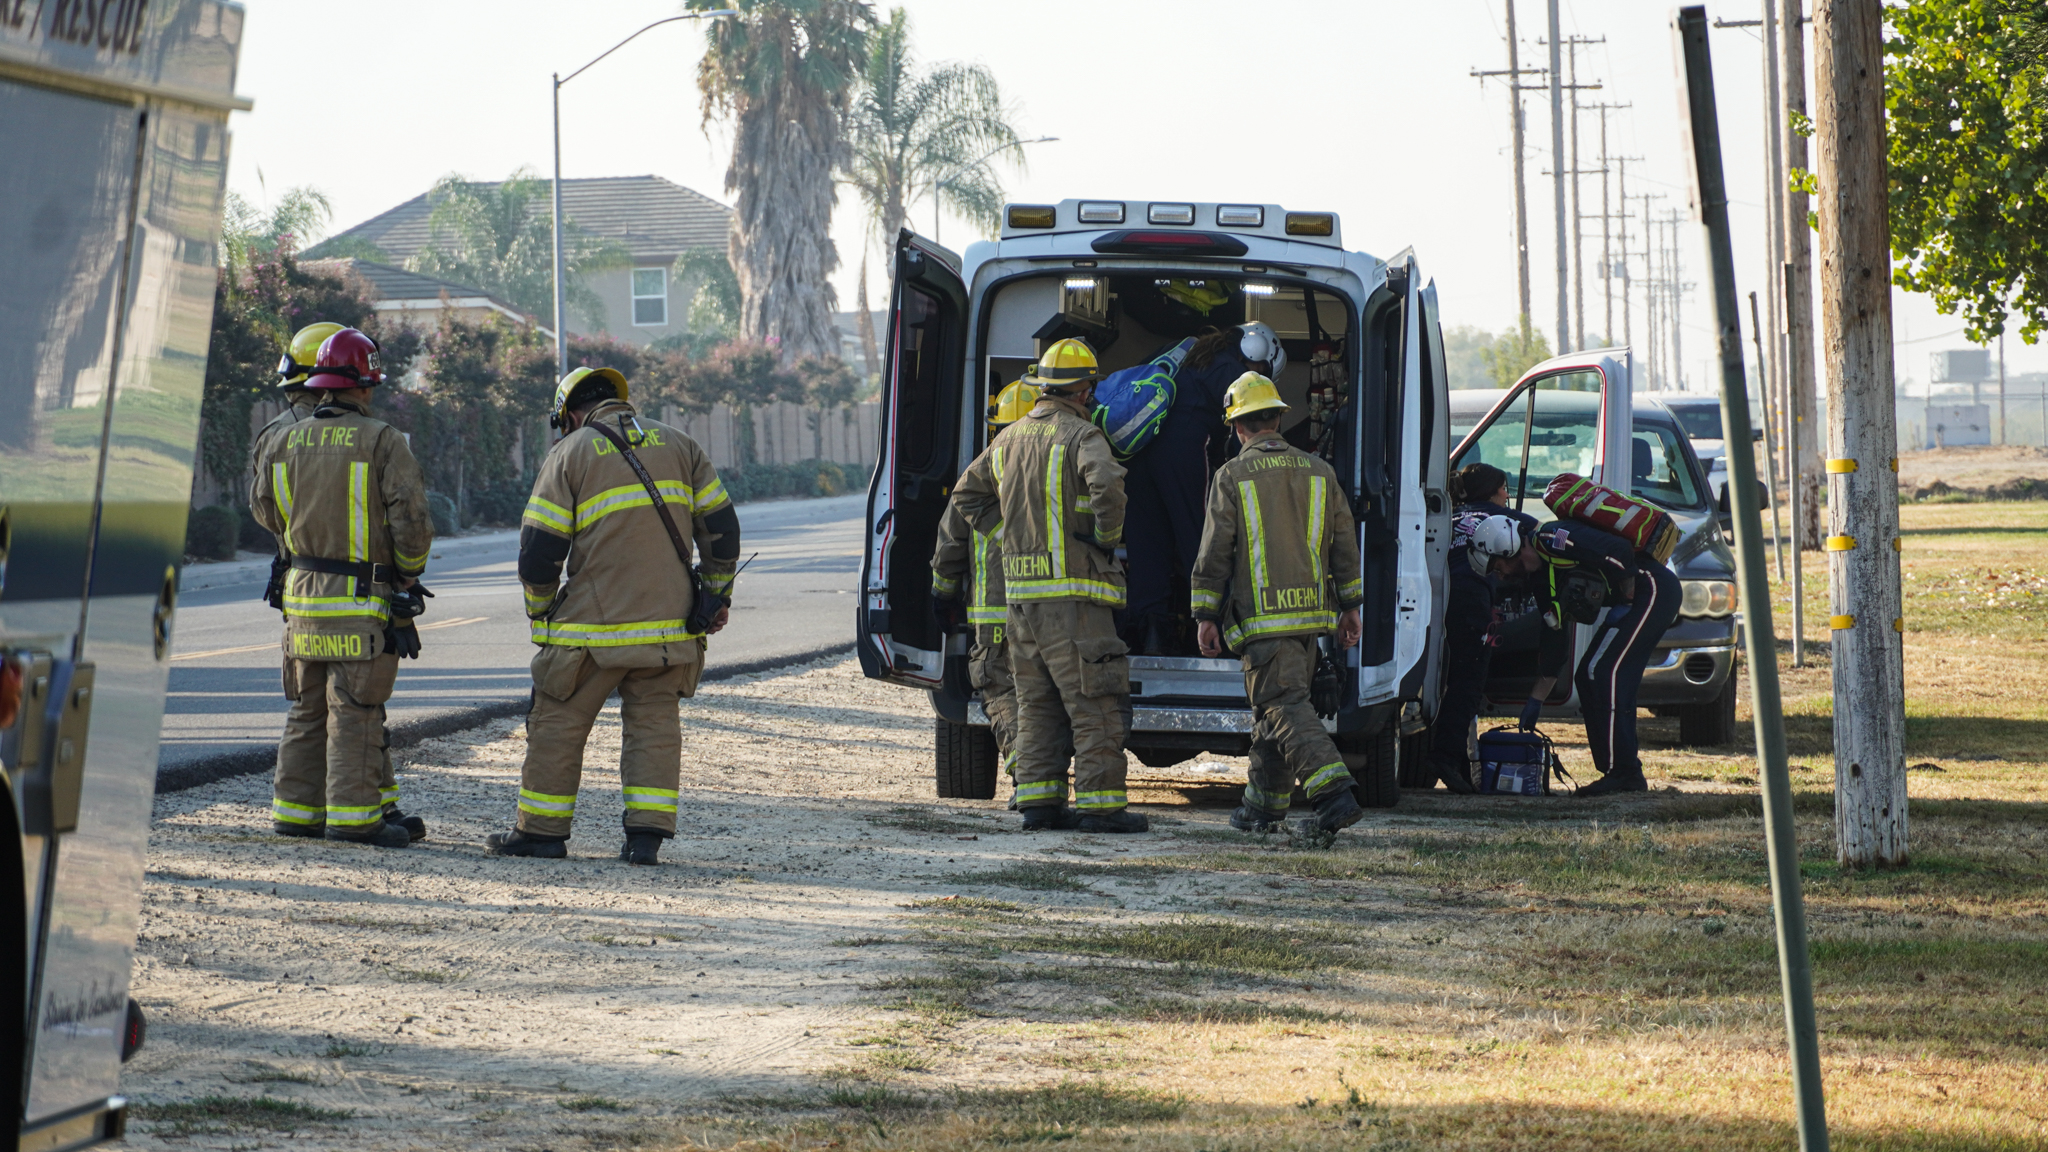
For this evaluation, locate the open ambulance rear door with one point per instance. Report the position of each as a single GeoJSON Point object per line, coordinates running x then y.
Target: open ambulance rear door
{"type": "Point", "coordinates": [897, 633]}
{"type": "Point", "coordinates": [1433, 442]}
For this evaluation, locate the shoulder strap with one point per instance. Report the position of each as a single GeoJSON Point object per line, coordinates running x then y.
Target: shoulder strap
{"type": "Point", "coordinates": [675, 535]}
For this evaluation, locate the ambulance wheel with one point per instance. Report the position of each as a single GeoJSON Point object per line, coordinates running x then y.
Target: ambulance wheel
{"type": "Point", "coordinates": [1415, 771]}
{"type": "Point", "coordinates": [1712, 724]}
{"type": "Point", "coordinates": [1375, 760]}
{"type": "Point", "coordinates": [965, 757]}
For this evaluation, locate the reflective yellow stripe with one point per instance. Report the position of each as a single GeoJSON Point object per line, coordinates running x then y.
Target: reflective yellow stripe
{"type": "Point", "coordinates": [651, 799]}
{"type": "Point", "coordinates": [359, 512]}
{"type": "Point", "coordinates": [390, 794]}
{"type": "Point", "coordinates": [1205, 598]}
{"type": "Point", "coordinates": [535, 605]}
{"type": "Point", "coordinates": [409, 563]}
{"type": "Point", "coordinates": [1108, 798]}
{"type": "Point", "coordinates": [542, 804]}
{"type": "Point", "coordinates": [547, 514]}
{"type": "Point", "coordinates": [1259, 627]}
{"type": "Point", "coordinates": [944, 587]}
{"type": "Point", "coordinates": [1055, 509]}
{"type": "Point", "coordinates": [1318, 501]}
{"type": "Point", "coordinates": [311, 607]}
{"type": "Point", "coordinates": [1274, 802]}
{"type": "Point", "coordinates": [575, 635]}
{"type": "Point", "coordinates": [1043, 790]}
{"type": "Point", "coordinates": [356, 817]}
{"type": "Point", "coordinates": [1326, 777]}
{"type": "Point", "coordinates": [996, 463]}
{"type": "Point", "coordinates": [710, 499]}
{"type": "Point", "coordinates": [1352, 592]}
{"type": "Point", "coordinates": [1095, 590]}
{"type": "Point", "coordinates": [1254, 533]}
{"type": "Point", "coordinates": [296, 813]}
{"type": "Point", "coordinates": [612, 500]}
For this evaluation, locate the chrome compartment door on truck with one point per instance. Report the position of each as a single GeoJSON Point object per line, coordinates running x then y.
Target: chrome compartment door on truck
{"type": "Point", "coordinates": [898, 635]}
{"type": "Point", "coordinates": [1568, 414]}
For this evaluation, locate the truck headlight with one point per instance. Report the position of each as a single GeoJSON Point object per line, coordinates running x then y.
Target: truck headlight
{"type": "Point", "coordinates": [1708, 598]}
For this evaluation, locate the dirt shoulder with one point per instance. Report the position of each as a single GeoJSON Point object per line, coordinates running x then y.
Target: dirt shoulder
{"type": "Point", "coordinates": [827, 957]}
{"type": "Point", "coordinates": [1975, 469]}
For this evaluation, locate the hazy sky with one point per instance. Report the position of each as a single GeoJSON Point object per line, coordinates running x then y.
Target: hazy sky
{"type": "Point", "coordinates": [1364, 108]}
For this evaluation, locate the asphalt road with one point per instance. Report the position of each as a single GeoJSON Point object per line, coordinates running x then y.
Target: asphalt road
{"type": "Point", "coordinates": [226, 709]}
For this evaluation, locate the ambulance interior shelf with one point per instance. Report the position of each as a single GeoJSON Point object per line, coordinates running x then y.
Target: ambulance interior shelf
{"type": "Point", "coordinates": [1128, 318]}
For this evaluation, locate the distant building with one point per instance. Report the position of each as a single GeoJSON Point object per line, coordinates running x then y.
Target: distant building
{"type": "Point", "coordinates": [655, 220]}
{"type": "Point", "coordinates": [401, 297]}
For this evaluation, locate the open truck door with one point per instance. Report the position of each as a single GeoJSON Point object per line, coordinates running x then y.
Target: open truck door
{"type": "Point", "coordinates": [1433, 449]}
{"type": "Point", "coordinates": [1568, 414]}
{"type": "Point", "coordinates": [897, 633]}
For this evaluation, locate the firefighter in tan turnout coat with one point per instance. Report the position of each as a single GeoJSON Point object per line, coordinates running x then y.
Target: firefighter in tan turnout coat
{"type": "Point", "coordinates": [346, 500]}
{"type": "Point", "coordinates": [1279, 559]}
{"type": "Point", "coordinates": [1052, 485]}
{"type": "Point", "coordinates": [609, 593]}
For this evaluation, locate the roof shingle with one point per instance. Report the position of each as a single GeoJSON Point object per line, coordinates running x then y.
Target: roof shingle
{"type": "Point", "coordinates": [655, 219]}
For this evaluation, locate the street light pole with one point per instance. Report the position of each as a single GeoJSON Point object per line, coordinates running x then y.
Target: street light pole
{"type": "Point", "coordinates": [948, 177]}
{"type": "Point", "coordinates": [561, 311]}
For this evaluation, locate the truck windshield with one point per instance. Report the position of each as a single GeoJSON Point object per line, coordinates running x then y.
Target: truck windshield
{"type": "Point", "coordinates": [1701, 421]}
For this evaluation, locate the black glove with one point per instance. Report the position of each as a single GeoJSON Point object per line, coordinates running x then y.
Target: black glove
{"type": "Point", "coordinates": [404, 640]}
{"type": "Point", "coordinates": [409, 604]}
{"type": "Point", "coordinates": [951, 613]}
{"type": "Point", "coordinates": [1326, 683]}
{"type": "Point", "coordinates": [273, 592]}
{"type": "Point", "coordinates": [705, 604]}
{"type": "Point", "coordinates": [1532, 711]}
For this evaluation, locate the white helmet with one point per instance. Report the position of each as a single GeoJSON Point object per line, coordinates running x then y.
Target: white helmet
{"type": "Point", "coordinates": [1496, 538]}
{"type": "Point", "coordinates": [1260, 342]}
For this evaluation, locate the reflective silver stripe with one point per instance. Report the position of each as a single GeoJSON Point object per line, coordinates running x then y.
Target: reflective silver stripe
{"type": "Point", "coordinates": [1318, 500]}
{"type": "Point", "coordinates": [1055, 509]}
{"type": "Point", "coordinates": [359, 515]}
{"type": "Point", "coordinates": [1254, 533]}
{"type": "Point", "coordinates": [356, 817]}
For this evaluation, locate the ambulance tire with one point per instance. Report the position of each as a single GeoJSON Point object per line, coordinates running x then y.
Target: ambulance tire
{"type": "Point", "coordinates": [1377, 773]}
{"type": "Point", "coordinates": [965, 758]}
{"type": "Point", "coordinates": [1415, 770]}
{"type": "Point", "coordinates": [1712, 724]}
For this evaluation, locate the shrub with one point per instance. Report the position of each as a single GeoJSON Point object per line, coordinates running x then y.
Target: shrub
{"type": "Point", "coordinates": [805, 478]}
{"type": "Point", "coordinates": [210, 533]}
{"type": "Point", "coordinates": [442, 509]}
{"type": "Point", "coordinates": [253, 536]}
{"type": "Point", "coordinates": [499, 503]}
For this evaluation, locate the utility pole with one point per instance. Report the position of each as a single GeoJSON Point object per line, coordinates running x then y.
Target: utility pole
{"type": "Point", "coordinates": [1756, 336]}
{"type": "Point", "coordinates": [1621, 189]}
{"type": "Point", "coordinates": [1557, 162]}
{"type": "Point", "coordinates": [1863, 443]}
{"type": "Point", "coordinates": [1574, 43]}
{"type": "Point", "coordinates": [1802, 421]}
{"type": "Point", "coordinates": [1606, 216]}
{"type": "Point", "coordinates": [1653, 302]}
{"type": "Point", "coordinates": [1677, 303]}
{"type": "Point", "coordinates": [1514, 74]}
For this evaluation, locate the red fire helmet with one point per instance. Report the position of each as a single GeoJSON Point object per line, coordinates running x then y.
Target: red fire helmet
{"type": "Point", "coordinates": [347, 359]}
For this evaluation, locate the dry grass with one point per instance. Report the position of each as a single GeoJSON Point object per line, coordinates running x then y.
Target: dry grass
{"type": "Point", "coordinates": [1508, 975]}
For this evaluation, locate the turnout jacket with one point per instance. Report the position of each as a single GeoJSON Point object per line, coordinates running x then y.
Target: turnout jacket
{"type": "Point", "coordinates": [975, 556]}
{"type": "Point", "coordinates": [1053, 491]}
{"type": "Point", "coordinates": [1279, 554]}
{"type": "Point", "coordinates": [342, 487]}
{"type": "Point", "coordinates": [264, 446]}
{"type": "Point", "coordinates": [596, 563]}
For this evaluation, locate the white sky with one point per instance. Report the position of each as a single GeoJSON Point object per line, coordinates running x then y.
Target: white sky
{"type": "Point", "coordinates": [1364, 108]}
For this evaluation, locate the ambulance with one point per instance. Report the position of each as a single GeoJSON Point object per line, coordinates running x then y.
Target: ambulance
{"type": "Point", "coordinates": [1366, 385]}
{"type": "Point", "coordinates": [113, 129]}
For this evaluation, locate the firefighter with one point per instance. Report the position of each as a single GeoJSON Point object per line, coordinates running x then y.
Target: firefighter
{"type": "Point", "coordinates": [628, 615]}
{"type": "Point", "coordinates": [263, 450]}
{"type": "Point", "coordinates": [346, 500]}
{"type": "Point", "coordinates": [977, 557]}
{"type": "Point", "coordinates": [1278, 563]}
{"type": "Point", "coordinates": [1051, 483]}
{"type": "Point", "coordinates": [1578, 572]}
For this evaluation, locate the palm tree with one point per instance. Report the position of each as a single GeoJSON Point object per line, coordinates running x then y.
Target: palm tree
{"type": "Point", "coordinates": [498, 238]}
{"type": "Point", "coordinates": [784, 70]}
{"type": "Point", "coordinates": [908, 131]}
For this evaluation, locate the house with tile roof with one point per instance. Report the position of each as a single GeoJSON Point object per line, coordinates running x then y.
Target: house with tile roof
{"type": "Point", "coordinates": [654, 219]}
{"type": "Point", "coordinates": [399, 296]}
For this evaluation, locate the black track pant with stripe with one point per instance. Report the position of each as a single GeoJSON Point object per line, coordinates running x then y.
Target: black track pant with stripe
{"type": "Point", "coordinates": [1612, 671]}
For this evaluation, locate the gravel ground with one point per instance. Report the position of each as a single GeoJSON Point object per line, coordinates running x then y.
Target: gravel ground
{"type": "Point", "coordinates": [441, 996]}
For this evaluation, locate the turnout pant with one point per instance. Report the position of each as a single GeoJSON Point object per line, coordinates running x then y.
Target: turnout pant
{"type": "Point", "coordinates": [1165, 485]}
{"type": "Point", "coordinates": [1073, 686]}
{"type": "Point", "coordinates": [332, 760]}
{"type": "Point", "coordinates": [570, 689]}
{"type": "Point", "coordinates": [1289, 745]}
{"type": "Point", "coordinates": [988, 669]}
{"type": "Point", "coordinates": [1612, 672]}
{"type": "Point", "coordinates": [1467, 659]}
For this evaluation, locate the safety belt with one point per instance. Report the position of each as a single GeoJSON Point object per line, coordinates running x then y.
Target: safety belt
{"type": "Point", "coordinates": [705, 603]}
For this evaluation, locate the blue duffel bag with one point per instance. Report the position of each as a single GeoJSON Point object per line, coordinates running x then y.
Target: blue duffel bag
{"type": "Point", "coordinates": [1131, 404]}
{"type": "Point", "coordinates": [1517, 763]}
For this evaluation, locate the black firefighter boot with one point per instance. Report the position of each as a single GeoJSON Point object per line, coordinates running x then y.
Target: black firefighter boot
{"type": "Point", "coordinates": [387, 835]}
{"type": "Point", "coordinates": [1336, 810]}
{"type": "Point", "coordinates": [517, 843]}
{"type": "Point", "coordinates": [1616, 782]}
{"type": "Point", "coordinates": [643, 846]}
{"type": "Point", "coordinates": [1249, 817]}
{"type": "Point", "coordinates": [413, 825]}
{"type": "Point", "coordinates": [1117, 820]}
{"type": "Point", "coordinates": [1051, 818]}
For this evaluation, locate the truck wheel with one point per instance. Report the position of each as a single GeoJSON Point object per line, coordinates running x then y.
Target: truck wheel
{"type": "Point", "coordinates": [1712, 724]}
{"type": "Point", "coordinates": [1378, 776]}
{"type": "Point", "coordinates": [965, 757]}
{"type": "Point", "coordinates": [1414, 770]}
{"type": "Point", "coordinates": [1162, 757]}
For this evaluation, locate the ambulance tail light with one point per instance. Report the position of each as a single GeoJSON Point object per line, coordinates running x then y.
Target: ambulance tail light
{"type": "Point", "coordinates": [1147, 242]}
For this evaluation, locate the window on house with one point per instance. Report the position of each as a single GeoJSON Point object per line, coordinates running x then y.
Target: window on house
{"type": "Point", "coordinates": [650, 297]}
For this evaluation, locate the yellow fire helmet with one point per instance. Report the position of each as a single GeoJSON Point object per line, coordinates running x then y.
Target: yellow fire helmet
{"type": "Point", "coordinates": [1251, 393]}
{"type": "Point", "coordinates": [1011, 404]}
{"type": "Point", "coordinates": [581, 386]}
{"type": "Point", "coordinates": [1069, 363]}
{"type": "Point", "coordinates": [298, 357]}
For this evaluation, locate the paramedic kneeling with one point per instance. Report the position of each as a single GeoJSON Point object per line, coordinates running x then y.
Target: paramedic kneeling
{"type": "Point", "coordinates": [1578, 572]}
{"type": "Point", "coordinates": [1481, 491]}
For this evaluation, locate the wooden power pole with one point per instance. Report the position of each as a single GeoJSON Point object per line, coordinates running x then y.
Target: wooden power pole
{"type": "Point", "coordinates": [1801, 418]}
{"type": "Point", "coordinates": [1863, 443]}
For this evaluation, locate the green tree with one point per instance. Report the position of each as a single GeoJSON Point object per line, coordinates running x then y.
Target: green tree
{"type": "Point", "coordinates": [249, 234]}
{"type": "Point", "coordinates": [500, 238]}
{"type": "Point", "coordinates": [1966, 93]}
{"type": "Point", "coordinates": [784, 71]}
{"type": "Point", "coordinates": [1514, 352]}
{"type": "Point", "coordinates": [713, 314]}
{"type": "Point", "coordinates": [912, 134]}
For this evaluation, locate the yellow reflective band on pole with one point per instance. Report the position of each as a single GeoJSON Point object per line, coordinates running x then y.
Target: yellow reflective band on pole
{"type": "Point", "coordinates": [1107, 798]}
{"type": "Point", "coordinates": [1841, 467]}
{"type": "Point", "coordinates": [1899, 624]}
{"type": "Point", "coordinates": [1841, 543]}
{"type": "Point", "coordinates": [542, 804]}
{"type": "Point", "coordinates": [359, 515]}
{"type": "Point", "coordinates": [1839, 623]}
{"type": "Point", "coordinates": [1055, 511]}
